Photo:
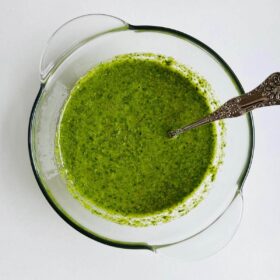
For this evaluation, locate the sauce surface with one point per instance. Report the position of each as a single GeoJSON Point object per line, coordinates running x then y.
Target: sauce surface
{"type": "Point", "coordinates": [112, 144]}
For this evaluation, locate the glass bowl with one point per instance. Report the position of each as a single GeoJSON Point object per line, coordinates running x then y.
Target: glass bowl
{"type": "Point", "coordinates": [75, 48]}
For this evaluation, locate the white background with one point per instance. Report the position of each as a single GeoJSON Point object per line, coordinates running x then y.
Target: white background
{"type": "Point", "coordinates": [35, 243]}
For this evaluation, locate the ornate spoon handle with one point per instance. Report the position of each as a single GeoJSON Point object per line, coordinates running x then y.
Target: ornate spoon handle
{"type": "Point", "coordinates": [266, 94]}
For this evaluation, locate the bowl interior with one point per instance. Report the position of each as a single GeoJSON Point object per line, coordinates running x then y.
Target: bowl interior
{"type": "Point", "coordinates": [130, 39]}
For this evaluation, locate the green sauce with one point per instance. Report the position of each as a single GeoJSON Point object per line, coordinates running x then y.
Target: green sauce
{"type": "Point", "coordinates": [112, 144]}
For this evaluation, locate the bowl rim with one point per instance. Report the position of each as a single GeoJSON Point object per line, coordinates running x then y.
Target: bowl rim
{"type": "Point", "coordinates": [242, 177]}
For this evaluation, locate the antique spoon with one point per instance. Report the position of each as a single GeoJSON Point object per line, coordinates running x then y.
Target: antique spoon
{"type": "Point", "coordinates": [266, 94]}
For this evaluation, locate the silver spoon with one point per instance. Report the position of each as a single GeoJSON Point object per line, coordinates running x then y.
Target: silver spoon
{"type": "Point", "coordinates": [266, 94]}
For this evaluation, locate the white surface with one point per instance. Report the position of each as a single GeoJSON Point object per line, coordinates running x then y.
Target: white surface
{"type": "Point", "coordinates": [35, 243]}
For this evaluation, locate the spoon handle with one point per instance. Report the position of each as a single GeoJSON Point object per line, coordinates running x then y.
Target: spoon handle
{"type": "Point", "coordinates": [266, 94]}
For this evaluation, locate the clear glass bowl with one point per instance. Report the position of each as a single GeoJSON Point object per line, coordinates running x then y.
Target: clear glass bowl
{"type": "Point", "coordinates": [75, 48]}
